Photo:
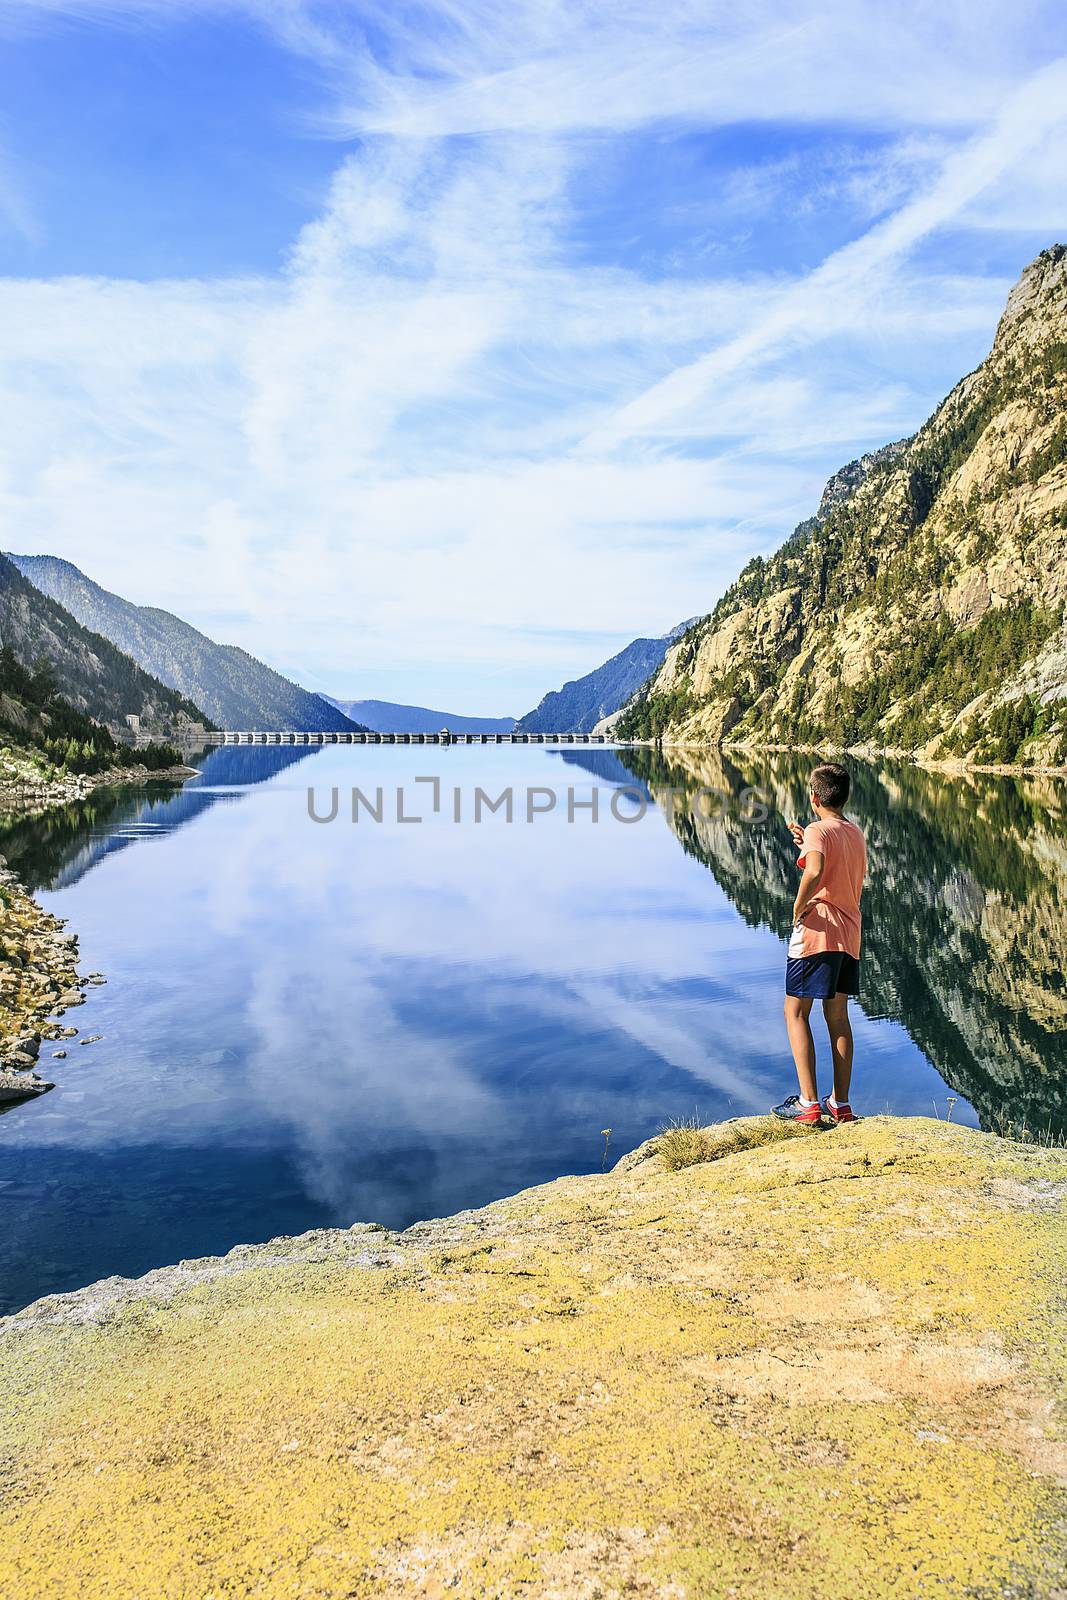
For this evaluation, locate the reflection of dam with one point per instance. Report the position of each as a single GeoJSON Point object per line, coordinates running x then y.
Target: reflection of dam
{"type": "Point", "coordinates": [965, 908]}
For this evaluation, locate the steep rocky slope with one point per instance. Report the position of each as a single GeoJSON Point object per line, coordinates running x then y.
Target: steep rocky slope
{"type": "Point", "coordinates": [233, 688]}
{"type": "Point", "coordinates": [91, 673]}
{"type": "Point", "coordinates": [584, 702]}
{"type": "Point", "coordinates": [923, 607]}
{"type": "Point", "coordinates": [825, 1367]}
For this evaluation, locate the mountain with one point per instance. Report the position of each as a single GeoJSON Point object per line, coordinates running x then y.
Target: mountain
{"type": "Point", "coordinates": [234, 689]}
{"type": "Point", "coordinates": [90, 673]}
{"type": "Point", "coordinates": [582, 703]}
{"type": "Point", "coordinates": [43, 737]}
{"type": "Point", "coordinates": [922, 608]}
{"type": "Point", "coordinates": [382, 716]}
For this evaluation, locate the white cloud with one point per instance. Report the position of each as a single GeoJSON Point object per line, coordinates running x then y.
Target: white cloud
{"type": "Point", "coordinates": [541, 66]}
{"type": "Point", "coordinates": [446, 434]}
{"type": "Point", "coordinates": [812, 308]}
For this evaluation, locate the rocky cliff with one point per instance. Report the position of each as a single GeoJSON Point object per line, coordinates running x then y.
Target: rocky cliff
{"type": "Point", "coordinates": [922, 608]}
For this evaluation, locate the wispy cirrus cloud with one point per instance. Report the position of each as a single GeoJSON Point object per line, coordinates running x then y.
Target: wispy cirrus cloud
{"type": "Point", "coordinates": [1033, 118]}
{"type": "Point", "coordinates": [507, 401]}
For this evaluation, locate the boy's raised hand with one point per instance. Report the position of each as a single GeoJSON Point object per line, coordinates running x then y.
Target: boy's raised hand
{"type": "Point", "coordinates": [798, 833]}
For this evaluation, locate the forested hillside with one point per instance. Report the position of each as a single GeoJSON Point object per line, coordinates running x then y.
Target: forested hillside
{"type": "Point", "coordinates": [37, 724]}
{"type": "Point", "coordinates": [232, 687]}
{"type": "Point", "coordinates": [87, 670]}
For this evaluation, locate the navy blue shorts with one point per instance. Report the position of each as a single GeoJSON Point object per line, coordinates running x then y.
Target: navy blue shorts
{"type": "Point", "coordinates": [818, 977]}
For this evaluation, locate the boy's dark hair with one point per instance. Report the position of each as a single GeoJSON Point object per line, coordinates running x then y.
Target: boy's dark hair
{"type": "Point", "coordinates": [830, 785]}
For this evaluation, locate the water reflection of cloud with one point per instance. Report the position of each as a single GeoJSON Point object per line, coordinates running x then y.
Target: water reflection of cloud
{"type": "Point", "coordinates": [490, 932]}
{"type": "Point", "coordinates": [330, 1055]}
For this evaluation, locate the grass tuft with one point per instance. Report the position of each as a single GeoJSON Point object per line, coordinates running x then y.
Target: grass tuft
{"type": "Point", "coordinates": [1051, 1136]}
{"type": "Point", "coordinates": [684, 1144]}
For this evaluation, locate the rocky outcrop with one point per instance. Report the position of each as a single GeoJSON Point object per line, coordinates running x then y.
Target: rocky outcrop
{"type": "Point", "coordinates": [922, 609]}
{"type": "Point", "coordinates": [28, 785]}
{"type": "Point", "coordinates": [823, 1367]}
{"type": "Point", "coordinates": [39, 981]}
{"type": "Point", "coordinates": [847, 479]}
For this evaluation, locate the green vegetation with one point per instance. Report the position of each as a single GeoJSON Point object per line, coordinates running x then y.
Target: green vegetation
{"type": "Point", "coordinates": [649, 715]}
{"type": "Point", "coordinates": [854, 587]}
{"type": "Point", "coordinates": [684, 1144]}
{"type": "Point", "coordinates": [33, 712]}
{"type": "Point", "coordinates": [1008, 729]}
{"type": "Point", "coordinates": [914, 693]}
{"type": "Point", "coordinates": [92, 675]}
{"type": "Point", "coordinates": [227, 683]}
{"type": "Point", "coordinates": [1052, 454]}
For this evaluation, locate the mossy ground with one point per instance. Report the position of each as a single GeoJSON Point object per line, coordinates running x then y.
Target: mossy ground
{"type": "Point", "coordinates": [818, 1370]}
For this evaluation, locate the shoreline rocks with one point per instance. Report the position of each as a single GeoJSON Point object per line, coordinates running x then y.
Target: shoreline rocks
{"type": "Point", "coordinates": [39, 981]}
{"type": "Point", "coordinates": [951, 767]}
{"type": "Point", "coordinates": [39, 978]}
{"type": "Point", "coordinates": [27, 793]}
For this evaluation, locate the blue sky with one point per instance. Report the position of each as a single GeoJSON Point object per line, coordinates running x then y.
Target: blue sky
{"type": "Point", "coordinates": [432, 352]}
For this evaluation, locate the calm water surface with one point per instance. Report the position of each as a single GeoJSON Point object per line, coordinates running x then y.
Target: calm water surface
{"type": "Point", "coordinates": [310, 1024]}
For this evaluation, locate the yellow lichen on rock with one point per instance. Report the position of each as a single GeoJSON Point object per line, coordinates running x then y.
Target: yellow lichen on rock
{"type": "Point", "coordinates": [817, 1369]}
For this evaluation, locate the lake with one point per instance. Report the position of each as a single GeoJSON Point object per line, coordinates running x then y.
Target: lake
{"type": "Point", "coordinates": [308, 1023]}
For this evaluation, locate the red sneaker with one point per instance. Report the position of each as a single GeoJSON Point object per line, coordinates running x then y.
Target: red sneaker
{"type": "Point", "coordinates": [791, 1110]}
{"type": "Point", "coordinates": [836, 1113]}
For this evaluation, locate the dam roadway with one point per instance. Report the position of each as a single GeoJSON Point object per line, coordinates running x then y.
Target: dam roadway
{"type": "Point", "coordinates": [445, 736]}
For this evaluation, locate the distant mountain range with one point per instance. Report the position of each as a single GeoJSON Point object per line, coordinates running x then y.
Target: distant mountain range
{"type": "Point", "coordinates": [231, 687]}
{"type": "Point", "coordinates": [582, 703]}
{"type": "Point", "coordinates": [384, 716]}
{"type": "Point", "coordinates": [90, 672]}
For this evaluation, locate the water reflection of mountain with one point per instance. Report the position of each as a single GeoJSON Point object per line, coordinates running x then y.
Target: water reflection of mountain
{"type": "Point", "coordinates": [54, 850]}
{"type": "Point", "coordinates": [58, 847]}
{"type": "Point", "coordinates": [605, 765]}
{"type": "Point", "coordinates": [965, 908]}
{"type": "Point", "coordinates": [243, 765]}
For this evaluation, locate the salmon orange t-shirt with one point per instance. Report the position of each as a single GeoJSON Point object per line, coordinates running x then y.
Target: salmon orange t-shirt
{"type": "Point", "coordinates": [833, 920]}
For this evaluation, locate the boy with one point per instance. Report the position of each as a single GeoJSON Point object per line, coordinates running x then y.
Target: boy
{"type": "Point", "coordinates": [824, 951]}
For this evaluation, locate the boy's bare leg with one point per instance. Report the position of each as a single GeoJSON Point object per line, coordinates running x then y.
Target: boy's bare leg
{"type": "Point", "coordinates": [802, 1044]}
{"type": "Point", "coordinates": [839, 1027]}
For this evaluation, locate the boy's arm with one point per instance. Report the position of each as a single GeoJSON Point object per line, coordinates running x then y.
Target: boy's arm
{"type": "Point", "coordinates": [813, 864]}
